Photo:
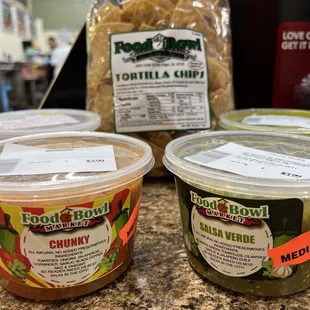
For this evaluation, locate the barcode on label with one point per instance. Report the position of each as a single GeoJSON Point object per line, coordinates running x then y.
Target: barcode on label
{"type": "Point", "coordinates": [8, 165]}
{"type": "Point", "coordinates": [212, 156]}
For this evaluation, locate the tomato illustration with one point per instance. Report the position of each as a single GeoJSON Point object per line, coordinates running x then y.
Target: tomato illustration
{"type": "Point", "coordinates": [222, 206]}
{"type": "Point", "coordinates": [18, 264]}
{"type": "Point", "coordinates": [66, 216]}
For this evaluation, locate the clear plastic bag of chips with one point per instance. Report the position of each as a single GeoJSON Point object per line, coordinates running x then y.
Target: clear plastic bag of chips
{"type": "Point", "coordinates": [159, 69]}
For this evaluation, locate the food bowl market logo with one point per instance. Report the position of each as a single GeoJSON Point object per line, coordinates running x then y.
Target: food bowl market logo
{"type": "Point", "coordinates": [65, 220]}
{"type": "Point", "coordinates": [230, 211]}
{"type": "Point", "coordinates": [159, 49]}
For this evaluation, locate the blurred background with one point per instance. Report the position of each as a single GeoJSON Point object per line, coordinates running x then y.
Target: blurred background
{"type": "Point", "coordinates": [36, 37]}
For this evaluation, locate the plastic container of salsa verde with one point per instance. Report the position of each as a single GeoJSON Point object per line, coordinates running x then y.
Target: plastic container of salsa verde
{"type": "Point", "coordinates": [30, 122]}
{"type": "Point", "coordinates": [245, 208]}
{"type": "Point", "coordinates": [68, 234]}
{"type": "Point", "coordinates": [279, 120]}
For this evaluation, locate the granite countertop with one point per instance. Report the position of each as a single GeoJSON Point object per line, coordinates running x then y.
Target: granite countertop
{"type": "Point", "coordinates": [160, 276]}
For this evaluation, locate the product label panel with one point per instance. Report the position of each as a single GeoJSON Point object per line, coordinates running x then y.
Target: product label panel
{"type": "Point", "coordinates": [160, 81]}
{"type": "Point", "coordinates": [65, 246]}
{"type": "Point", "coordinates": [234, 236]}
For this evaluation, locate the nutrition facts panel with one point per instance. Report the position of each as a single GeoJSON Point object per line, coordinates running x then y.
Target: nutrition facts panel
{"type": "Point", "coordinates": [162, 111]}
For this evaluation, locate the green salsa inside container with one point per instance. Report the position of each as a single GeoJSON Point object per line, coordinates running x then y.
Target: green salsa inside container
{"type": "Point", "coordinates": [280, 120]}
{"type": "Point", "coordinates": [244, 199]}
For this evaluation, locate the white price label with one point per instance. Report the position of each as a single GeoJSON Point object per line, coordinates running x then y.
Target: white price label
{"type": "Point", "coordinates": [251, 162]}
{"type": "Point", "coordinates": [25, 160]}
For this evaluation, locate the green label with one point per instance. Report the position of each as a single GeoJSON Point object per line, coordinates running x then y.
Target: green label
{"type": "Point", "coordinates": [233, 235]}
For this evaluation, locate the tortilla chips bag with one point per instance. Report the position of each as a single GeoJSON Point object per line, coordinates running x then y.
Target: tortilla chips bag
{"type": "Point", "coordinates": [159, 69]}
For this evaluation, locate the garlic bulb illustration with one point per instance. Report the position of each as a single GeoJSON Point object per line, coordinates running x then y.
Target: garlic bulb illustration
{"type": "Point", "coordinates": [282, 272]}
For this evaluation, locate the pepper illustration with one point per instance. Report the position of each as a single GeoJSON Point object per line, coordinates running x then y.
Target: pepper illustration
{"type": "Point", "coordinates": [18, 264]}
{"type": "Point", "coordinates": [121, 218]}
{"type": "Point", "coordinates": [7, 235]}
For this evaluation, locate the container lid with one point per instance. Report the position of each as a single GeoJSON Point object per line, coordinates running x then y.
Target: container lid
{"type": "Point", "coordinates": [233, 161]}
{"type": "Point", "coordinates": [280, 120]}
{"type": "Point", "coordinates": [28, 122]}
{"type": "Point", "coordinates": [133, 160]}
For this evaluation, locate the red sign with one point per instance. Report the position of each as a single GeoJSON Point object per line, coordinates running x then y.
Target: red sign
{"type": "Point", "coordinates": [292, 69]}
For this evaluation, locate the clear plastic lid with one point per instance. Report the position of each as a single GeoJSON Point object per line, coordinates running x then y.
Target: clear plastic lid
{"type": "Point", "coordinates": [280, 120]}
{"type": "Point", "coordinates": [133, 158]}
{"type": "Point", "coordinates": [29, 122]}
{"type": "Point", "coordinates": [199, 174]}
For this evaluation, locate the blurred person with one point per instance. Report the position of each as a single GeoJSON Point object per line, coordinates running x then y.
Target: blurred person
{"type": "Point", "coordinates": [59, 54]}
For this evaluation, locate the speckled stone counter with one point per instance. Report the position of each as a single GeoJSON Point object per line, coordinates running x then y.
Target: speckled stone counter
{"type": "Point", "coordinates": [160, 276]}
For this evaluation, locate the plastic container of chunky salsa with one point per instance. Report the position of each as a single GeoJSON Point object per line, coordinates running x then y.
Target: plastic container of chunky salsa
{"type": "Point", "coordinates": [279, 120]}
{"type": "Point", "coordinates": [30, 122]}
{"type": "Point", "coordinates": [245, 208]}
{"type": "Point", "coordinates": [64, 235]}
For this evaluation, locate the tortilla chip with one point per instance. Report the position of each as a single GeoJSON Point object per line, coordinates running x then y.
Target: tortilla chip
{"type": "Point", "coordinates": [100, 42]}
{"type": "Point", "coordinates": [186, 16]}
{"type": "Point", "coordinates": [106, 29]}
{"type": "Point", "coordinates": [222, 101]}
{"type": "Point", "coordinates": [91, 32]}
{"type": "Point", "coordinates": [159, 169]}
{"type": "Point", "coordinates": [145, 27]}
{"type": "Point", "coordinates": [164, 4]}
{"type": "Point", "coordinates": [100, 50]}
{"type": "Point", "coordinates": [174, 2]}
{"type": "Point", "coordinates": [215, 45]}
{"type": "Point", "coordinates": [103, 105]}
{"type": "Point", "coordinates": [148, 13]}
{"type": "Point", "coordinates": [91, 93]}
{"type": "Point", "coordinates": [93, 79]}
{"type": "Point", "coordinates": [128, 11]}
{"type": "Point", "coordinates": [109, 13]}
{"type": "Point", "coordinates": [219, 75]}
{"type": "Point", "coordinates": [212, 19]}
{"type": "Point", "coordinates": [182, 14]}
{"type": "Point", "coordinates": [160, 139]}
{"type": "Point", "coordinates": [214, 2]}
{"type": "Point", "coordinates": [228, 62]}
{"type": "Point", "coordinates": [203, 20]}
{"type": "Point", "coordinates": [105, 10]}
{"type": "Point", "coordinates": [165, 21]}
